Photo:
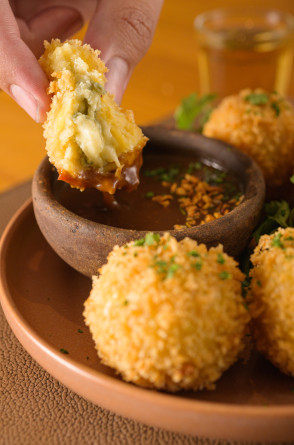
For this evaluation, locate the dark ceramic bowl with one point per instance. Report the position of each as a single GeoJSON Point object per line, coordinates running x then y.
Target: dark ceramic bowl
{"type": "Point", "coordinates": [85, 244]}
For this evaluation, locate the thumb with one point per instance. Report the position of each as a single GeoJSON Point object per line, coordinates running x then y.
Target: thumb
{"type": "Point", "coordinates": [20, 73]}
{"type": "Point", "coordinates": [123, 31]}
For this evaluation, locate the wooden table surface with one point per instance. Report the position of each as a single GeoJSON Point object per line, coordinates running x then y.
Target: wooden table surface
{"type": "Point", "coordinates": [167, 73]}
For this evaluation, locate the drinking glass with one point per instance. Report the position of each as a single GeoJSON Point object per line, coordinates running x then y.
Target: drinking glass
{"type": "Point", "coordinates": [240, 48]}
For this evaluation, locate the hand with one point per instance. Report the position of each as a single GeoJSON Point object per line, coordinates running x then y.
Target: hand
{"type": "Point", "coordinates": [121, 29]}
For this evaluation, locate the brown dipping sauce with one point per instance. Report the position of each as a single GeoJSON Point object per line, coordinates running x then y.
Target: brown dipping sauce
{"type": "Point", "coordinates": [137, 209]}
{"type": "Point", "coordinates": [109, 181]}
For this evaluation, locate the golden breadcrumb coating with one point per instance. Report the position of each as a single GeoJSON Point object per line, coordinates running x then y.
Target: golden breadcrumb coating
{"type": "Point", "coordinates": [88, 135]}
{"type": "Point", "coordinates": [271, 298]}
{"type": "Point", "coordinates": [166, 314]}
{"type": "Point", "coordinates": [261, 125]}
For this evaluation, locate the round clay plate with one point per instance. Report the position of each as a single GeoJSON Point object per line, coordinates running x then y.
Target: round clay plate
{"type": "Point", "coordinates": [43, 297]}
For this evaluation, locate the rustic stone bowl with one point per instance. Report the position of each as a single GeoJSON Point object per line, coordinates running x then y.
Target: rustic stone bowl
{"type": "Point", "coordinates": [85, 244]}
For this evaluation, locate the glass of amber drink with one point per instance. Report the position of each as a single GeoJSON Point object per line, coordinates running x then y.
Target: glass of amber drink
{"type": "Point", "coordinates": [244, 48]}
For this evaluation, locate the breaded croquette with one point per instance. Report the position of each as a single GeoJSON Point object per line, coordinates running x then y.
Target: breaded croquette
{"type": "Point", "coordinates": [90, 140]}
{"type": "Point", "coordinates": [271, 298]}
{"type": "Point", "coordinates": [166, 314]}
{"type": "Point", "coordinates": [261, 125]}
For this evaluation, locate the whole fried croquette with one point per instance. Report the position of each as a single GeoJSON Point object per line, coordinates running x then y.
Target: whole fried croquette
{"type": "Point", "coordinates": [271, 298]}
{"type": "Point", "coordinates": [166, 314]}
{"type": "Point", "coordinates": [90, 140]}
{"type": "Point", "coordinates": [261, 125]}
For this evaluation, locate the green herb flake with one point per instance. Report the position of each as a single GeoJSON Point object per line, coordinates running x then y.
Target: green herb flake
{"type": "Point", "coordinates": [164, 174]}
{"type": "Point", "coordinates": [152, 238]}
{"type": "Point", "coordinates": [125, 303]}
{"type": "Point", "coordinates": [220, 259]}
{"type": "Point", "coordinates": [276, 242]}
{"type": "Point", "coordinates": [275, 106]}
{"type": "Point", "coordinates": [193, 253]}
{"type": "Point", "coordinates": [197, 265]}
{"type": "Point", "coordinates": [292, 179]}
{"type": "Point", "coordinates": [155, 172]}
{"type": "Point", "coordinates": [258, 282]}
{"type": "Point", "coordinates": [64, 351]}
{"type": "Point", "coordinates": [135, 254]}
{"type": "Point", "coordinates": [80, 331]}
{"type": "Point", "coordinates": [139, 242]}
{"type": "Point", "coordinates": [172, 269]}
{"type": "Point", "coordinates": [183, 211]}
{"type": "Point", "coordinates": [257, 98]}
{"type": "Point", "coordinates": [220, 177]}
{"type": "Point", "coordinates": [149, 195]}
{"type": "Point", "coordinates": [194, 166]}
{"type": "Point", "coordinates": [224, 275]}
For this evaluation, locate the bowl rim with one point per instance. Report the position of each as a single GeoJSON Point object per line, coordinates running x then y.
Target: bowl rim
{"type": "Point", "coordinates": [160, 134]}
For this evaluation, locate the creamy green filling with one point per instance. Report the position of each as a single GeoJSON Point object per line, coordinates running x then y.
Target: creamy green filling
{"type": "Point", "coordinates": [93, 137]}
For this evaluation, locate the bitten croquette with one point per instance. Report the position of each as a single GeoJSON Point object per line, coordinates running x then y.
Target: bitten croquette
{"type": "Point", "coordinates": [88, 136]}
{"type": "Point", "coordinates": [261, 125]}
{"type": "Point", "coordinates": [166, 314]}
{"type": "Point", "coordinates": [271, 298]}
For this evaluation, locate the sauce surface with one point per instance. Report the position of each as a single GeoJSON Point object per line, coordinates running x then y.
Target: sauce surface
{"type": "Point", "coordinates": [153, 206]}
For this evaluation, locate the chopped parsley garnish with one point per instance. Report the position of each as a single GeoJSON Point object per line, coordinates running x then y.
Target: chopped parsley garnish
{"type": "Point", "coordinates": [125, 303]}
{"type": "Point", "coordinates": [166, 268]}
{"type": "Point", "coordinates": [164, 174]}
{"type": "Point", "coordinates": [194, 166]}
{"type": "Point", "coordinates": [149, 240]}
{"type": "Point", "coordinates": [257, 98]}
{"type": "Point", "coordinates": [219, 179]}
{"type": "Point", "coordinates": [183, 211]}
{"type": "Point", "coordinates": [258, 282]}
{"type": "Point", "coordinates": [149, 194]}
{"type": "Point", "coordinates": [276, 241]}
{"type": "Point", "coordinates": [64, 351]}
{"type": "Point", "coordinates": [139, 242]}
{"type": "Point", "coordinates": [224, 275]}
{"type": "Point", "coordinates": [80, 331]}
{"type": "Point", "coordinates": [155, 172]}
{"type": "Point", "coordinates": [161, 266]}
{"type": "Point", "coordinates": [193, 253]}
{"type": "Point", "coordinates": [152, 238]}
{"type": "Point", "coordinates": [172, 269]}
{"type": "Point", "coordinates": [198, 265]}
{"type": "Point", "coordinates": [220, 258]}
{"type": "Point", "coordinates": [292, 179]}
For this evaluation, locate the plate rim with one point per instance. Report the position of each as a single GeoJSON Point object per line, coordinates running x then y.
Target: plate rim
{"type": "Point", "coordinates": [20, 326]}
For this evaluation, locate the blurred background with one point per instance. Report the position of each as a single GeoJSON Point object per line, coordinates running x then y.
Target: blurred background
{"type": "Point", "coordinates": [165, 75]}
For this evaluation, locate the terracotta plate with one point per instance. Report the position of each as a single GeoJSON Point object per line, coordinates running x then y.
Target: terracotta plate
{"type": "Point", "coordinates": [43, 297]}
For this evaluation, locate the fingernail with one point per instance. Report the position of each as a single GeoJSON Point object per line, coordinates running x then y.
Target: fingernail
{"type": "Point", "coordinates": [117, 77]}
{"type": "Point", "coordinates": [27, 101]}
